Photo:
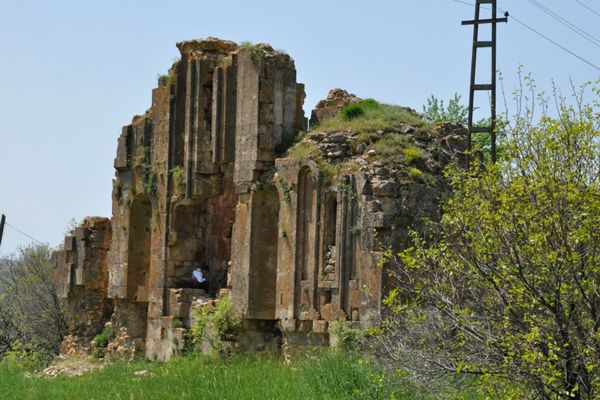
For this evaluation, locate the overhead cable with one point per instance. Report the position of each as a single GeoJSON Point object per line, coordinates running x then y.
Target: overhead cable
{"type": "Point", "coordinates": [541, 35]}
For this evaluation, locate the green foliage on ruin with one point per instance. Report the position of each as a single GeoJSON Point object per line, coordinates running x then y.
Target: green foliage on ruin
{"type": "Point", "coordinates": [257, 54]}
{"type": "Point", "coordinates": [355, 110]}
{"type": "Point", "coordinates": [167, 79]}
{"type": "Point", "coordinates": [101, 340]}
{"type": "Point", "coordinates": [344, 337]}
{"type": "Point", "coordinates": [178, 176]}
{"type": "Point", "coordinates": [505, 287]}
{"type": "Point", "coordinates": [376, 128]}
{"type": "Point", "coordinates": [373, 119]}
{"type": "Point", "coordinates": [216, 326]}
{"type": "Point", "coordinates": [148, 174]}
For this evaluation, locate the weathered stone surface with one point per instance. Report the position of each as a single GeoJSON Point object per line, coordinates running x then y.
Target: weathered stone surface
{"type": "Point", "coordinates": [329, 107]}
{"type": "Point", "coordinates": [209, 45]}
{"type": "Point", "coordinates": [83, 281]}
{"type": "Point", "coordinates": [200, 182]}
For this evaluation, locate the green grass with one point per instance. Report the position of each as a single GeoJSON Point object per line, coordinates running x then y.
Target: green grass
{"type": "Point", "coordinates": [374, 118]}
{"type": "Point", "coordinates": [330, 376]}
{"type": "Point", "coordinates": [366, 119]}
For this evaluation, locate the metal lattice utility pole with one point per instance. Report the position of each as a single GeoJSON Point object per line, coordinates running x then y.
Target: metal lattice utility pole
{"type": "Point", "coordinates": [491, 87]}
{"type": "Point", "coordinates": [2, 221]}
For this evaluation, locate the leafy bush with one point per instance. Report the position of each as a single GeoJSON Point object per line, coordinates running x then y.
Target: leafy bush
{"type": "Point", "coordinates": [435, 112]}
{"type": "Point", "coordinates": [352, 111]}
{"type": "Point", "coordinates": [411, 154]}
{"type": "Point", "coordinates": [505, 287]}
{"type": "Point", "coordinates": [30, 310]}
{"type": "Point", "coordinates": [356, 110]}
{"type": "Point", "coordinates": [101, 340]}
{"type": "Point", "coordinates": [28, 357]}
{"type": "Point", "coordinates": [415, 172]}
{"type": "Point", "coordinates": [215, 326]}
{"type": "Point", "coordinates": [344, 337]}
{"type": "Point", "coordinates": [178, 175]}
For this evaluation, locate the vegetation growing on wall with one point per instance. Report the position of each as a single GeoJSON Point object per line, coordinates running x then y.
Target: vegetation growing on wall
{"type": "Point", "coordinates": [215, 326]}
{"type": "Point", "coordinates": [101, 340]}
{"type": "Point", "coordinates": [378, 129]}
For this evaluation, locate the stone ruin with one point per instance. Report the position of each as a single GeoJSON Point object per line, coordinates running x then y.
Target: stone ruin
{"type": "Point", "coordinates": [204, 178]}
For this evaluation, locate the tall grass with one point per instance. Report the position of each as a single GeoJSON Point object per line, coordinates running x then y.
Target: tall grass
{"type": "Point", "coordinates": [331, 376]}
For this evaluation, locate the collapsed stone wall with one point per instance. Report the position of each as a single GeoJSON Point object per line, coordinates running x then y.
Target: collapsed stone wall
{"type": "Point", "coordinates": [82, 272]}
{"type": "Point", "coordinates": [203, 180]}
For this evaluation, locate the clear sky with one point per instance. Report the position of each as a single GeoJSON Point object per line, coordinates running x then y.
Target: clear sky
{"type": "Point", "coordinates": [73, 72]}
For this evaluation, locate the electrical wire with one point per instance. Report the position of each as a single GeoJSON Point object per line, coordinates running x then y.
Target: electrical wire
{"type": "Point", "coordinates": [23, 233]}
{"type": "Point", "coordinates": [588, 7]}
{"type": "Point", "coordinates": [541, 35]}
{"type": "Point", "coordinates": [566, 23]}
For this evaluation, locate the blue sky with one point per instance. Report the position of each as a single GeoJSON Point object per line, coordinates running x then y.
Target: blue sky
{"type": "Point", "coordinates": [73, 72]}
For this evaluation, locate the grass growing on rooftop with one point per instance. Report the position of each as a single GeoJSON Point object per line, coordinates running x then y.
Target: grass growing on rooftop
{"type": "Point", "coordinates": [366, 119]}
{"type": "Point", "coordinates": [375, 116]}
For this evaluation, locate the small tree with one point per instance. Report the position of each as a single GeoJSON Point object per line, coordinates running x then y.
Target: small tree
{"type": "Point", "coordinates": [435, 111]}
{"type": "Point", "coordinates": [30, 310]}
{"type": "Point", "coordinates": [506, 287]}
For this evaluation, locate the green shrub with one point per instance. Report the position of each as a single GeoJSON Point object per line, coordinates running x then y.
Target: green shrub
{"type": "Point", "coordinates": [255, 53]}
{"type": "Point", "coordinates": [352, 111]}
{"type": "Point", "coordinates": [369, 104]}
{"type": "Point", "coordinates": [344, 337]}
{"type": "Point", "coordinates": [178, 175]}
{"type": "Point", "coordinates": [101, 341]}
{"type": "Point", "coordinates": [355, 110]}
{"type": "Point", "coordinates": [216, 326]}
{"type": "Point", "coordinates": [411, 154]}
{"type": "Point", "coordinates": [436, 112]}
{"type": "Point", "coordinates": [149, 182]}
{"type": "Point", "coordinates": [415, 172]}
{"type": "Point", "coordinates": [27, 357]}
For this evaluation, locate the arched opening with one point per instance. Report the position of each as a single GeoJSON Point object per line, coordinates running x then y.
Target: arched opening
{"type": "Point", "coordinates": [139, 249]}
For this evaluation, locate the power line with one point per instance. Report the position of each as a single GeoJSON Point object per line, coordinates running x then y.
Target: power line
{"type": "Point", "coordinates": [566, 23]}
{"type": "Point", "coordinates": [541, 35]}
{"type": "Point", "coordinates": [588, 7]}
{"type": "Point", "coordinates": [557, 44]}
{"type": "Point", "coordinates": [23, 233]}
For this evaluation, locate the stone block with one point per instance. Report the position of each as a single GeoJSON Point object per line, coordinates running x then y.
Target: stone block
{"type": "Point", "coordinates": [320, 326]}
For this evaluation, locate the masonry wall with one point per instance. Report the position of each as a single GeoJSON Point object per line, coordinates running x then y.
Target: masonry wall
{"type": "Point", "coordinates": [82, 272]}
{"type": "Point", "coordinates": [202, 181]}
{"type": "Point", "coordinates": [183, 172]}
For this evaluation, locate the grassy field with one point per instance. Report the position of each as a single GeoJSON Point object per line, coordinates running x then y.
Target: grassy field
{"type": "Point", "coordinates": [195, 377]}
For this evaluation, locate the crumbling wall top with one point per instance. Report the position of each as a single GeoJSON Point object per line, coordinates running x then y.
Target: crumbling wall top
{"type": "Point", "coordinates": [329, 107]}
{"type": "Point", "coordinates": [207, 45]}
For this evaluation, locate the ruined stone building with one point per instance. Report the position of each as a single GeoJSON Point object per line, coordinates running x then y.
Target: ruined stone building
{"type": "Point", "coordinates": [206, 178]}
